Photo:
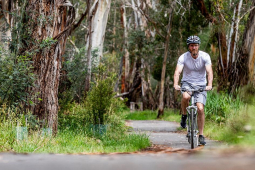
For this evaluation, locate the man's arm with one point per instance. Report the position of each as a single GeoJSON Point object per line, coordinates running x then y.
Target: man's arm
{"type": "Point", "coordinates": [209, 76]}
{"type": "Point", "coordinates": [177, 73]}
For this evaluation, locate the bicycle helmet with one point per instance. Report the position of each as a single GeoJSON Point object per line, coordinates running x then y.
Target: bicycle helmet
{"type": "Point", "coordinates": [193, 40]}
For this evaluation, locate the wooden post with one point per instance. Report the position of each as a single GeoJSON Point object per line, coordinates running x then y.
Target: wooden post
{"type": "Point", "coordinates": [132, 106]}
{"type": "Point", "coordinates": [140, 104]}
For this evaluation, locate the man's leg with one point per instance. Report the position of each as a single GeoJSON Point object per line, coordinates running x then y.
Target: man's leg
{"type": "Point", "coordinates": [184, 105]}
{"type": "Point", "coordinates": [200, 118]}
{"type": "Point", "coordinates": [185, 102]}
{"type": "Point", "coordinates": [201, 122]}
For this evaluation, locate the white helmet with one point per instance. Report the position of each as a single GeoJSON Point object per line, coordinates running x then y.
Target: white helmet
{"type": "Point", "coordinates": [193, 40]}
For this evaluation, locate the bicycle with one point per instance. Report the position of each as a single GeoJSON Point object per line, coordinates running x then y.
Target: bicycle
{"type": "Point", "coordinates": [192, 127]}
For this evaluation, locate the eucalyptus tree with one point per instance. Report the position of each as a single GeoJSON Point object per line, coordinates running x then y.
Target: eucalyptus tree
{"type": "Point", "coordinates": [227, 31]}
{"type": "Point", "coordinates": [98, 17]}
{"type": "Point", "coordinates": [43, 28]}
{"type": "Point", "coordinates": [162, 83]}
{"type": "Point", "coordinates": [242, 72]}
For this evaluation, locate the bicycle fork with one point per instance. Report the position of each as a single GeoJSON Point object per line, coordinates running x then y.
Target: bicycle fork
{"type": "Point", "coordinates": [192, 110]}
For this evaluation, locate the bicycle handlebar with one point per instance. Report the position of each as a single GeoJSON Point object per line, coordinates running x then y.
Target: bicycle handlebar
{"type": "Point", "coordinates": [193, 90]}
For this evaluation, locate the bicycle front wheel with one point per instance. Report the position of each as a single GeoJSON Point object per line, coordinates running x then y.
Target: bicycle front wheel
{"type": "Point", "coordinates": [192, 129]}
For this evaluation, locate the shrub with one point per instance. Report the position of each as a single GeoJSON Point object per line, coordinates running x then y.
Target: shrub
{"type": "Point", "coordinates": [73, 119]}
{"type": "Point", "coordinates": [16, 78]}
{"type": "Point", "coordinates": [100, 97]}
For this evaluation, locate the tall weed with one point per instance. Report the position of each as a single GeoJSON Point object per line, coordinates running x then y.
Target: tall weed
{"type": "Point", "coordinates": [219, 106]}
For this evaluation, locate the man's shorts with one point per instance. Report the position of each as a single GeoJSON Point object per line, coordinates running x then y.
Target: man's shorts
{"type": "Point", "coordinates": [200, 97]}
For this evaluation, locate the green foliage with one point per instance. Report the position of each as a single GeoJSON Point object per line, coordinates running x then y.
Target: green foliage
{"type": "Point", "coordinates": [47, 43]}
{"type": "Point", "coordinates": [75, 69]}
{"type": "Point", "coordinates": [157, 69]}
{"type": "Point", "coordinates": [73, 136]}
{"type": "Point", "coordinates": [100, 97]}
{"type": "Point", "coordinates": [246, 93]}
{"type": "Point", "coordinates": [16, 78]}
{"type": "Point", "coordinates": [73, 82]}
{"type": "Point", "coordinates": [169, 115]}
{"type": "Point", "coordinates": [220, 105]}
{"type": "Point", "coordinates": [238, 129]}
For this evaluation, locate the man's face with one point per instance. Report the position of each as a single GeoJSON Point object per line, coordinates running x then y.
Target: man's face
{"type": "Point", "coordinates": [194, 48]}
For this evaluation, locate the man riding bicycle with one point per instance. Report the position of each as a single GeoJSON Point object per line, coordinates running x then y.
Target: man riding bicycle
{"type": "Point", "coordinates": [194, 64]}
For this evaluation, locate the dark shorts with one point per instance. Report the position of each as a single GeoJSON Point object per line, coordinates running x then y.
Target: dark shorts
{"type": "Point", "coordinates": [200, 97]}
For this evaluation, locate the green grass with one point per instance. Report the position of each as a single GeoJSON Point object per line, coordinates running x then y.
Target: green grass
{"type": "Point", "coordinates": [169, 115]}
{"type": "Point", "coordinates": [74, 136]}
{"type": "Point", "coordinates": [238, 129]}
{"type": "Point", "coordinates": [76, 142]}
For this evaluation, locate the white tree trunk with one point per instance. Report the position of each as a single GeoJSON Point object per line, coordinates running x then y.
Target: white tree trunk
{"type": "Point", "coordinates": [99, 13]}
{"type": "Point", "coordinates": [237, 28]}
{"type": "Point", "coordinates": [135, 14]}
{"type": "Point", "coordinates": [229, 38]}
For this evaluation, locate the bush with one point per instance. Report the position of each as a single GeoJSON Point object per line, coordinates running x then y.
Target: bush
{"type": "Point", "coordinates": [16, 78]}
{"type": "Point", "coordinates": [73, 119]}
{"type": "Point", "coordinates": [100, 97]}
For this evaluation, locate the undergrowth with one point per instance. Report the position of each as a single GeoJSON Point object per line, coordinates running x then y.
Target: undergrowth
{"type": "Point", "coordinates": [74, 135]}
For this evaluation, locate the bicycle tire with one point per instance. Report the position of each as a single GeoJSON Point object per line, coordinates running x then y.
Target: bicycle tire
{"type": "Point", "coordinates": [192, 129]}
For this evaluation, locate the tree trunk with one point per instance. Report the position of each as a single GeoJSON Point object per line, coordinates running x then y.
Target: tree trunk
{"type": "Point", "coordinates": [89, 55]}
{"type": "Point", "coordinates": [98, 17]}
{"type": "Point", "coordinates": [124, 82]}
{"type": "Point", "coordinates": [242, 70]}
{"type": "Point", "coordinates": [47, 62]}
{"type": "Point", "coordinates": [161, 97]}
{"type": "Point", "coordinates": [147, 95]}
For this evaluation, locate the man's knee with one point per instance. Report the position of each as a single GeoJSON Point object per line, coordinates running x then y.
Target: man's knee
{"type": "Point", "coordinates": [200, 107]}
{"type": "Point", "coordinates": [185, 96]}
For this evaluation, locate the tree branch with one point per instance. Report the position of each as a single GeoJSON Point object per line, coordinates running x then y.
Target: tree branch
{"type": "Point", "coordinates": [1, 10]}
{"type": "Point", "coordinates": [76, 25]}
{"type": "Point", "coordinates": [248, 11]}
{"type": "Point", "coordinates": [122, 94]}
{"type": "Point", "coordinates": [148, 18]}
{"type": "Point", "coordinates": [201, 6]}
{"type": "Point", "coordinates": [73, 44]}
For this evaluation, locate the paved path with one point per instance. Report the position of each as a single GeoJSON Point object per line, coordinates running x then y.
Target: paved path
{"type": "Point", "coordinates": [165, 133]}
{"type": "Point", "coordinates": [125, 162]}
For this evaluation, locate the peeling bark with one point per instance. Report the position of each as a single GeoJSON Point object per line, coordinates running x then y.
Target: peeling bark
{"type": "Point", "coordinates": [47, 62]}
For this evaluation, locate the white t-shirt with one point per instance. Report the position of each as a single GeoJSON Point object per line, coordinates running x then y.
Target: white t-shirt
{"type": "Point", "coordinates": [194, 71]}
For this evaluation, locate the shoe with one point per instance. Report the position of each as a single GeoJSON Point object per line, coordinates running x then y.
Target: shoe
{"type": "Point", "coordinates": [183, 121]}
{"type": "Point", "coordinates": [202, 140]}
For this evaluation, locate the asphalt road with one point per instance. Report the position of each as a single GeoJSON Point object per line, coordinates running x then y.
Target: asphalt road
{"type": "Point", "coordinates": [165, 133]}
{"type": "Point", "coordinates": [168, 154]}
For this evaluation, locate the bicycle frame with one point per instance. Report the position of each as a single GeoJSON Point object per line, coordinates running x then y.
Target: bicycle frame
{"type": "Point", "coordinates": [192, 123]}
